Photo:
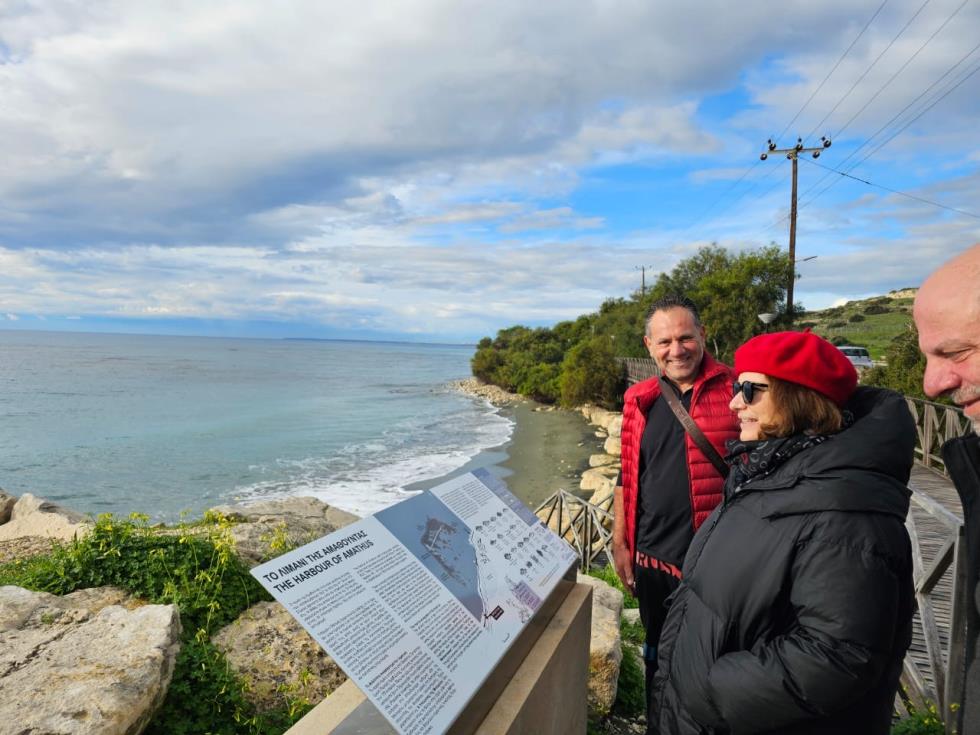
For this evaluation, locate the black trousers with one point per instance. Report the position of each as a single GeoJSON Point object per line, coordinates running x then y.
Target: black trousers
{"type": "Point", "coordinates": [653, 587]}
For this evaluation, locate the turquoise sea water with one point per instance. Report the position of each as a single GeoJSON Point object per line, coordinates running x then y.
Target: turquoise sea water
{"type": "Point", "coordinates": [116, 423]}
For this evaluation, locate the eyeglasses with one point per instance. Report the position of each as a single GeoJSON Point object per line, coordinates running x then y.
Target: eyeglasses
{"type": "Point", "coordinates": [747, 389]}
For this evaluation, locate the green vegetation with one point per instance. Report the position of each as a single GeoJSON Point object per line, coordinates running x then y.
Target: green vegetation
{"type": "Point", "coordinates": [608, 575]}
{"type": "Point", "coordinates": [574, 361]}
{"type": "Point", "coordinates": [193, 567]}
{"type": "Point", "coordinates": [921, 722]}
{"type": "Point", "coordinates": [881, 319]}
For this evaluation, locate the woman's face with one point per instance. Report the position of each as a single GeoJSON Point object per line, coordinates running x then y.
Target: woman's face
{"type": "Point", "coordinates": [760, 410]}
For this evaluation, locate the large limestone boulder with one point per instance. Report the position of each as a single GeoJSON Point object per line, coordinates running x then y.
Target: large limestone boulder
{"type": "Point", "coordinates": [6, 506]}
{"type": "Point", "coordinates": [31, 516]}
{"type": "Point", "coordinates": [612, 446]}
{"type": "Point", "coordinates": [602, 417]}
{"type": "Point", "coordinates": [277, 657]}
{"type": "Point", "coordinates": [615, 425]}
{"type": "Point", "coordinates": [264, 530]}
{"type": "Point", "coordinates": [605, 652]}
{"type": "Point", "coordinates": [87, 663]}
{"type": "Point", "coordinates": [598, 460]}
{"type": "Point", "coordinates": [599, 478]}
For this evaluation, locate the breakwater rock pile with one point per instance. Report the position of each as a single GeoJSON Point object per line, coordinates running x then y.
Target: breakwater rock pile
{"type": "Point", "coordinates": [492, 393]}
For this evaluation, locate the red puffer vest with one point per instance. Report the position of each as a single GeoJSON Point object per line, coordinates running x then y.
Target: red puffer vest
{"type": "Point", "coordinates": [709, 409]}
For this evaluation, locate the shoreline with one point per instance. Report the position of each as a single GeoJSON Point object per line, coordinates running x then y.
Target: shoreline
{"type": "Point", "coordinates": [548, 449]}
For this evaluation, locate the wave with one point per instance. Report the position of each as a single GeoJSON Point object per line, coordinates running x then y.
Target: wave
{"type": "Point", "coordinates": [368, 476]}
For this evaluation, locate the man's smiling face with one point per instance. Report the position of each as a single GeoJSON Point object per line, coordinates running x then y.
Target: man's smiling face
{"type": "Point", "coordinates": [676, 342]}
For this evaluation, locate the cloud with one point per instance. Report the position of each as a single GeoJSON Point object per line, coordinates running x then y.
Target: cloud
{"type": "Point", "coordinates": [433, 166]}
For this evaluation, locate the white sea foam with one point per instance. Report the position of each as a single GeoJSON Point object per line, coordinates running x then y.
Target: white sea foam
{"type": "Point", "coordinates": [366, 477]}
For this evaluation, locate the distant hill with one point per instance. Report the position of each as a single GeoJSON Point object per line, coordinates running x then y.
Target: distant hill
{"type": "Point", "coordinates": [870, 323]}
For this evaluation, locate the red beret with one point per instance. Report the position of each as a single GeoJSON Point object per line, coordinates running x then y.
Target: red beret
{"type": "Point", "coordinates": [800, 357]}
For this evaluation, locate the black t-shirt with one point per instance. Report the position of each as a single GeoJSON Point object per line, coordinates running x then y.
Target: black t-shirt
{"type": "Point", "coordinates": [664, 519]}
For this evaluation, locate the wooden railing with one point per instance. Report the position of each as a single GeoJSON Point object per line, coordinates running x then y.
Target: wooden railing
{"type": "Point", "coordinates": [586, 526]}
{"type": "Point", "coordinates": [935, 424]}
{"type": "Point", "coordinates": [638, 368]}
{"type": "Point", "coordinates": [939, 581]}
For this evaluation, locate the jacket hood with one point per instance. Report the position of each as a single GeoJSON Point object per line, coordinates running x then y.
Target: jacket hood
{"type": "Point", "coordinates": [863, 468]}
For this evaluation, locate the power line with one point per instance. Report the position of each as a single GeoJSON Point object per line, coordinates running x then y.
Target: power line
{"type": "Point", "coordinates": [902, 67]}
{"type": "Point", "coordinates": [842, 57]}
{"type": "Point", "coordinates": [895, 191]}
{"type": "Point", "coordinates": [885, 142]}
{"type": "Point", "coordinates": [895, 117]}
{"type": "Point", "coordinates": [870, 67]}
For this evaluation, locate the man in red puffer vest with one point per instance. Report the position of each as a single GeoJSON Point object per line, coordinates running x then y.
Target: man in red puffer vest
{"type": "Point", "coordinates": [668, 486]}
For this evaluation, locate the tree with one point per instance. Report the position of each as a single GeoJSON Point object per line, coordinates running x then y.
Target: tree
{"type": "Point", "coordinates": [590, 373]}
{"type": "Point", "coordinates": [904, 366]}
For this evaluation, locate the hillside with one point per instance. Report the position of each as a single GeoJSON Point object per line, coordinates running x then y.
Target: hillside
{"type": "Point", "coordinates": [872, 323]}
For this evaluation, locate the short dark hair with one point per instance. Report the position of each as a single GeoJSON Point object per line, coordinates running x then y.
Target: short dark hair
{"type": "Point", "coordinates": [674, 301]}
{"type": "Point", "coordinates": [800, 409]}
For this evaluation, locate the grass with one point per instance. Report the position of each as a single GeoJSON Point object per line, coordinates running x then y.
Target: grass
{"type": "Point", "coordinates": [875, 331]}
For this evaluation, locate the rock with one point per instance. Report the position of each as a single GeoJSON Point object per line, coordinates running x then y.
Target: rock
{"type": "Point", "coordinates": [615, 426]}
{"type": "Point", "coordinates": [31, 516]}
{"type": "Point", "coordinates": [605, 652]}
{"type": "Point", "coordinates": [24, 547]}
{"type": "Point", "coordinates": [602, 417]}
{"type": "Point", "coordinates": [612, 446]}
{"type": "Point", "coordinates": [602, 497]}
{"type": "Point", "coordinates": [632, 614]}
{"type": "Point", "coordinates": [266, 529]}
{"type": "Point", "coordinates": [6, 505]}
{"type": "Point", "coordinates": [598, 460]}
{"type": "Point", "coordinates": [86, 663]}
{"type": "Point", "coordinates": [599, 478]}
{"type": "Point", "coordinates": [601, 434]}
{"type": "Point", "coordinates": [278, 659]}
{"type": "Point", "coordinates": [492, 393]}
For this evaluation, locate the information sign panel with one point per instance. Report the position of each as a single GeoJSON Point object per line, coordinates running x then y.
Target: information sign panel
{"type": "Point", "coordinates": [419, 602]}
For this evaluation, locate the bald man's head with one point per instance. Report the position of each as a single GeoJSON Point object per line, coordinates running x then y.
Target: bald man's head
{"type": "Point", "coordinates": [947, 315]}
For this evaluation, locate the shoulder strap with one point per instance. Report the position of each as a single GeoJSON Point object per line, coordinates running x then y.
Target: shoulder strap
{"type": "Point", "coordinates": [667, 390]}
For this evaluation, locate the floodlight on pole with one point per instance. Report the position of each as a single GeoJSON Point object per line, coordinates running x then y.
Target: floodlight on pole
{"type": "Point", "coordinates": [767, 318]}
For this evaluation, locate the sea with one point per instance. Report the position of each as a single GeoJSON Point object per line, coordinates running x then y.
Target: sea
{"type": "Point", "coordinates": [171, 426]}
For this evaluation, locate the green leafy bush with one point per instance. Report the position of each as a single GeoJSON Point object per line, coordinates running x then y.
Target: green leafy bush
{"type": "Point", "coordinates": [855, 318]}
{"type": "Point", "coordinates": [920, 722]}
{"type": "Point", "coordinates": [608, 575]}
{"type": "Point", "coordinates": [876, 308]}
{"type": "Point", "coordinates": [631, 697]}
{"type": "Point", "coordinates": [590, 372]}
{"type": "Point", "coordinates": [837, 325]}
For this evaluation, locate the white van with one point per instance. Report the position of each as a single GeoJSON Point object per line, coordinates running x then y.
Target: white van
{"type": "Point", "coordinates": [858, 356]}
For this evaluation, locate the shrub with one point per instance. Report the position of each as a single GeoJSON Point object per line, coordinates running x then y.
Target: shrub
{"type": "Point", "coordinates": [920, 722]}
{"type": "Point", "coordinates": [590, 372]}
{"type": "Point", "coordinates": [876, 309]}
{"type": "Point", "coordinates": [855, 318]}
{"type": "Point", "coordinates": [631, 697]}
{"type": "Point", "coordinates": [836, 325]}
{"type": "Point", "coordinates": [608, 575]}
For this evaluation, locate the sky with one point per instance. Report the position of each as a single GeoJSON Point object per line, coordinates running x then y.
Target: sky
{"type": "Point", "coordinates": [435, 171]}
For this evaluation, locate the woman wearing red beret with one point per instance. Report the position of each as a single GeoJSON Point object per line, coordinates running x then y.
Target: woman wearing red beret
{"type": "Point", "coordinates": [795, 610]}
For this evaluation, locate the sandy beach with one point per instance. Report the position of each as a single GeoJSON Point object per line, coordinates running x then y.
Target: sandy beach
{"type": "Point", "coordinates": [548, 449]}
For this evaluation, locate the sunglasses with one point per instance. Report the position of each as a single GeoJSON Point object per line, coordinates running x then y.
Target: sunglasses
{"type": "Point", "coordinates": [747, 389]}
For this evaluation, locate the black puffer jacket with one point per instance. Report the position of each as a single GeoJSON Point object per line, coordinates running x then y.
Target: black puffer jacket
{"type": "Point", "coordinates": [796, 607]}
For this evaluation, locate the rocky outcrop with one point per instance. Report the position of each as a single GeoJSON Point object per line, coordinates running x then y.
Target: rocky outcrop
{"type": "Point", "coordinates": [612, 446]}
{"type": "Point", "coordinates": [600, 478]}
{"type": "Point", "coordinates": [266, 529]}
{"type": "Point", "coordinates": [599, 460]}
{"type": "Point", "coordinates": [492, 393]}
{"type": "Point", "coordinates": [605, 652]}
{"type": "Point", "coordinates": [278, 659]}
{"type": "Point", "coordinates": [6, 506]}
{"type": "Point", "coordinates": [89, 662]}
{"type": "Point", "coordinates": [31, 516]}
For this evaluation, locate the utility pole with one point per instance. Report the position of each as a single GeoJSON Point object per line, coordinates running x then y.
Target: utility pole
{"type": "Point", "coordinates": [792, 154]}
{"type": "Point", "coordinates": [643, 277]}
